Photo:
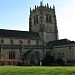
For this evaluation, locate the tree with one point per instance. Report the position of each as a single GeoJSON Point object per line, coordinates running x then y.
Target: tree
{"type": "Point", "coordinates": [61, 61]}
{"type": "Point", "coordinates": [48, 60]}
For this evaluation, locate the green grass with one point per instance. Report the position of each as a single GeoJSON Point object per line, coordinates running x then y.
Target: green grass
{"type": "Point", "coordinates": [37, 70]}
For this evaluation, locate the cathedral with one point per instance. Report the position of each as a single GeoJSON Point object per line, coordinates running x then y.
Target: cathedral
{"type": "Point", "coordinates": [30, 47]}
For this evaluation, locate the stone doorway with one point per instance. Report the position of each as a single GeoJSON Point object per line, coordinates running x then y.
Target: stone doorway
{"type": "Point", "coordinates": [33, 60]}
{"type": "Point", "coordinates": [30, 58]}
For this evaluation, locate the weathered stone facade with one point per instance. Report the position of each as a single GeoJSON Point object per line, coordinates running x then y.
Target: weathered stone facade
{"type": "Point", "coordinates": [29, 48]}
{"type": "Point", "coordinates": [43, 21]}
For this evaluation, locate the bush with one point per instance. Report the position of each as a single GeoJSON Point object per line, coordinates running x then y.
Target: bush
{"type": "Point", "coordinates": [61, 61]}
{"type": "Point", "coordinates": [48, 60]}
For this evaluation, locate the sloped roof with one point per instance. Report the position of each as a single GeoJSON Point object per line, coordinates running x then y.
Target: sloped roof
{"type": "Point", "coordinates": [60, 42]}
{"type": "Point", "coordinates": [20, 34]}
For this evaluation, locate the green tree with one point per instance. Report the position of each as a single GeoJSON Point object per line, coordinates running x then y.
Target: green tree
{"type": "Point", "coordinates": [48, 60]}
{"type": "Point", "coordinates": [61, 61]}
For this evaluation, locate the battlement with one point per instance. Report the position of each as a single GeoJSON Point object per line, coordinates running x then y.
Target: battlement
{"type": "Point", "coordinates": [46, 6]}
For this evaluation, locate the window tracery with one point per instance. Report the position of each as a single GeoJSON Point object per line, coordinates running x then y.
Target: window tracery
{"type": "Point", "coordinates": [11, 41]}
{"type": "Point", "coordinates": [48, 18]}
{"type": "Point", "coordinates": [20, 42]}
{"type": "Point", "coordinates": [11, 55]}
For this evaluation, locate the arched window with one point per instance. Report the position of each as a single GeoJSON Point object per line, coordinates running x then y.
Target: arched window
{"type": "Point", "coordinates": [28, 42]}
{"type": "Point", "coordinates": [11, 55]}
{"type": "Point", "coordinates": [2, 41]}
{"type": "Point", "coordinates": [11, 41]}
{"type": "Point", "coordinates": [48, 18]}
{"type": "Point", "coordinates": [36, 19]}
{"type": "Point", "coordinates": [20, 42]}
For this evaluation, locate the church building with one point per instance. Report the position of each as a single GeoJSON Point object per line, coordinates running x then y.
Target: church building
{"type": "Point", "coordinates": [30, 47]}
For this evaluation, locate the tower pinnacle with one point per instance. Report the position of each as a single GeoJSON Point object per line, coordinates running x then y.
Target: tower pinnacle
{"type": "Point", "coordinates": [41, 3]}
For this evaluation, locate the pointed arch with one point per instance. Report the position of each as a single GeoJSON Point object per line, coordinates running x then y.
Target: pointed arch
{"type": "Point", "coordinates": [31, 58]}
{"type": "Point", "coordinates": [35, 19]}
{"type": "Point", "coordinates": [48, 18]}
{"type": "Point", "coordinates": [2, 41]}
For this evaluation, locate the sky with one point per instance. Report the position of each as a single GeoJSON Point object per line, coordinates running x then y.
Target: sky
{"type": "Point", "coordinates": [14, 15]}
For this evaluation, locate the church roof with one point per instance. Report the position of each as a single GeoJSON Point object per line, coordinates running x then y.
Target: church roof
{"type": "Point", "coordinates": [60, 42]}
{"type": "Point", "coordinates": [26, 54]}
{"type": "Point", "coordinates": [19, 34]}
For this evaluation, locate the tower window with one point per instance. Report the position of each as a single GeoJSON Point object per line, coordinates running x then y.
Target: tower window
{"type": "Point", "coordinates": [48, 18]}
{"type": "Point", "coordinates": [36, 19]}
{"type": "Point", "coordinates": [11, 55]}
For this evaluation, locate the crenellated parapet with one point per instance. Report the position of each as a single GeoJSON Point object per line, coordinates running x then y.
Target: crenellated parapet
{"type": "Point", "coordinates": [46, 6]}
{"type": "Point", "coordinates": [43, 21]}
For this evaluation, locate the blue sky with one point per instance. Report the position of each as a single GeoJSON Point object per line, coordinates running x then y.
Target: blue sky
{"type": "Point", "coordinates": [14, 15]}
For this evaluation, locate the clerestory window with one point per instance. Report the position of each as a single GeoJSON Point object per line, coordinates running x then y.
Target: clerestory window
{"type": "Point", "coordinates": [11, 41]}
{"type": "Point", "coordinates": [20, 42]}
{"type": "Point", "coordinates": [36, 19]}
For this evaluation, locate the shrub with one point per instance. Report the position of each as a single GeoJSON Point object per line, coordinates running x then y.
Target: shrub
{"type": "Point", "coordinates": [61, 61]}
{"type": "Point", "coordinates": [48, 60]}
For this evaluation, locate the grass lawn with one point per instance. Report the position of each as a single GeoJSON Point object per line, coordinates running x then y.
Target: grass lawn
{"type": "Point", "coordinates": [37, 70]}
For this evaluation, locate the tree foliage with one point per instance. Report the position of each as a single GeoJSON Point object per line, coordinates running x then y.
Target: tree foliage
{"type": "Point", "coordinates": [48, 60]}
{"type": "Point", "coordinates": [61, 61]}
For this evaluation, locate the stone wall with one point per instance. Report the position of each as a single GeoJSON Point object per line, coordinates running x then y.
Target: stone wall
{"type": "Point", "coordinates": [64, 51]}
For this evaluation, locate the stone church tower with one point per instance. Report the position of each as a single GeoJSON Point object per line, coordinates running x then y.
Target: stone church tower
{"type": "Point", "coordinates": [43, 21]}
{"type": "Point", "coordinates": [30, 47]}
